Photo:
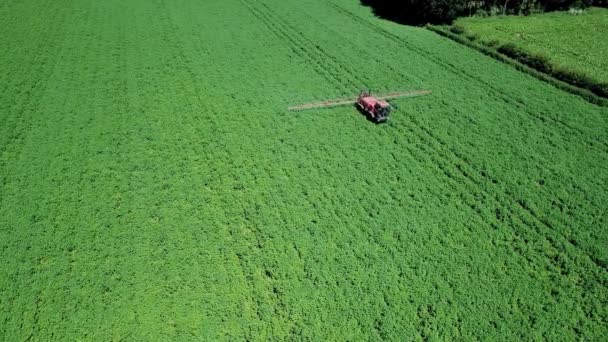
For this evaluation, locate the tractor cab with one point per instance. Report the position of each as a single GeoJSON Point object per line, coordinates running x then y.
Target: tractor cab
{"type": "Point", "coordinates": [377, 110]}
{"type": "Point", "coordinates": [382, 111]}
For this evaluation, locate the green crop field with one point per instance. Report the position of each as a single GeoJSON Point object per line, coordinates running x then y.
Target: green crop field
{"type": "Point", "coordinates": [574, 42]}
{"type": "Point", "coordinates": [153, 185]}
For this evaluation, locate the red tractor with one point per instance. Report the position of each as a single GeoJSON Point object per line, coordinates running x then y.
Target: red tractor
{"type": "Point", "coordinates": [378, 110]}
{"type": "Point", "coordinates": [375, 107]}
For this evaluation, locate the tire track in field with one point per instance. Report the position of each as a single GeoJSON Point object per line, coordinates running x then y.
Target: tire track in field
{"type": "Point", "coordinates": [325, 64]}
{"type": "Point", "coordinates": [483, 181]}
{"type": "Point", "coordinates": [460, 163]}
{"type": "Point", "coordinates": [339, 69]}
{"type": "Point", "coordinates": [461, 72]}
{"type": "Point", "coordinates": [36, 65]}
{"type": "Point", "coordinates": [216, 127]}
{"type": "Point", "coordinates": [26, 105]}
{"type": "Point", "coordinates": [26, 108]}
{"type": "Point", "coordinates": [486, 186]}
{"type": "Point", "coordinates": [474, 200]}
{"type": "Point", "coordinates": [297, 47]}
{"type": "Point", "coordinates": [487, 178]}
{"type": "Point", "coordinates": [369, 55]}
{"type": "Point", "coordinates": [337, 64]}
{"type": "Point", "coordinates": [460, 179]}
{"type": "Point", "coordinates": [173, 39]}
{"type": "Point", "coordinates": [525, 229]}
{"type": "Point", "coordinates": [241, 257]}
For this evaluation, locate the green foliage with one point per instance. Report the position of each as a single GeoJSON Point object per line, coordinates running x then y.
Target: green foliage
{"type": "Point", "coordinates": [458, 29]}
{"type": "Point", "coordinates": [416, 12]}
{"type": "Point", "coordinates": [492, 43]}
{"type": "Point", "coordinates": [581, 80]}
{"type": "Point", "coordinates": [569, 48]}
{"type": "Point", "coordinates": [539, 62]}
{"type": "Point", "coordinates": [472, 36]}
{"type": "Point", "coordinates": [590, 94]}
{"type": "Point", "coordinates": [153, 186]}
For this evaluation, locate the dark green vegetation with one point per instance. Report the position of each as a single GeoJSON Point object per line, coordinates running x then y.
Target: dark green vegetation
{"type": "Point", "coordinates": [570, 47]}
{"type": "Point", "coordinates": [589, 84]}
{"type": "Point", "coordinates": [417, 12]}
{"type": "Point", "coordinates": [153, 185]}
{"type": "Point", "coordinates": [584, 93]}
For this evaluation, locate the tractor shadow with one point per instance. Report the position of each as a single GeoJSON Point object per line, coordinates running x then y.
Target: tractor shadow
{"type": "Point", "coordinates": [367, 116]}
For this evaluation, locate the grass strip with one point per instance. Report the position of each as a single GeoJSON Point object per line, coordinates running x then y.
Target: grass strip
{"type": "Point", "coordinates": [549, 78]}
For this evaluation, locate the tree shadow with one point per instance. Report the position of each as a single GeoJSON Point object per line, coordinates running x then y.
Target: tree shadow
{"type": "Point", "coordinates": [416, 13]}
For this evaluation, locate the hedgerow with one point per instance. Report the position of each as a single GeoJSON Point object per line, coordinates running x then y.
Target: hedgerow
{"type": "Point", "coordinates": [542, 64]}
{"type": "Point", "coordinates": [533, 41]}
{"type": "Point", "coordinates": [420, 12]}
{"type": "Point", "coordinates": [534, 64]}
